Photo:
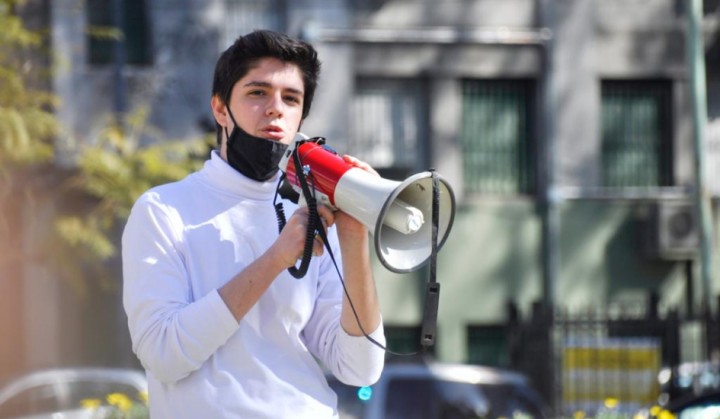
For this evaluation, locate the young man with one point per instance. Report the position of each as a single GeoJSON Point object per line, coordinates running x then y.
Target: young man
{"type": "Point", "coordinates": [219, 324]}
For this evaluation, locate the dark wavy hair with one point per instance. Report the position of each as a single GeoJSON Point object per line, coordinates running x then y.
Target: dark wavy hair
{"type": "Point", "coordinates": [240, 57]}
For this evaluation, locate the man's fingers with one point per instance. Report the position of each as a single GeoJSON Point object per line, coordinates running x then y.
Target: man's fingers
{"type": "Point", "coordinates": [327, 216]}
{"type": "Point", "coordinates": [318, 245]}
{"type": "Point", "coordinates": [360, 164]}
{"type": "Point", "coordinates": [327, 219]}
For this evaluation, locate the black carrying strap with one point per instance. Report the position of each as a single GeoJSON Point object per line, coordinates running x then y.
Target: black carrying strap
{"type": "Point", "coordinates": [432, 288]}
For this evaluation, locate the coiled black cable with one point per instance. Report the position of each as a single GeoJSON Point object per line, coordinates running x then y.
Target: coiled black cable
{"type": "Point", "coordinates": [314, 227]}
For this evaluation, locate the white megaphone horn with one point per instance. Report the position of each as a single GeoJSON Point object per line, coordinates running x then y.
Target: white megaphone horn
{"type": "Point", "coordinates": [399, 214]}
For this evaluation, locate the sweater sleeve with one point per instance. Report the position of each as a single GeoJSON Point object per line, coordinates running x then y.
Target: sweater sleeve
{"type": "Point", "coordinates": [354, 360]}
{"type": "Point", "coordinates": [172, 333]}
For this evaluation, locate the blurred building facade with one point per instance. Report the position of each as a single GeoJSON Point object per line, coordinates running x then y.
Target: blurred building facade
{"type": "Point", "coordinates": [564, 127]}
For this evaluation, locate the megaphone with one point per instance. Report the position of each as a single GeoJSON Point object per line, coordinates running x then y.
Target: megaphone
{"type": "Point", "coordinates": [398, 214]}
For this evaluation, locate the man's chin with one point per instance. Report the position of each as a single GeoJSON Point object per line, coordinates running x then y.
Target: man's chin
{"type": "Point", "coordinates": [288, 139]}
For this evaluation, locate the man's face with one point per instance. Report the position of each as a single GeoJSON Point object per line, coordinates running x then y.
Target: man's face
{"type": "Point", "coordinates": [267, 102]}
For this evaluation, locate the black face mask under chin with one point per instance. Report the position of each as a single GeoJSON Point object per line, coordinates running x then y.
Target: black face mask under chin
{"type": "Point", "coordinates": [254, 157]}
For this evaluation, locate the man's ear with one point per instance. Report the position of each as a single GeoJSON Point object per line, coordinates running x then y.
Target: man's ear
{"type": "Point", "coordinates": [219, 110]}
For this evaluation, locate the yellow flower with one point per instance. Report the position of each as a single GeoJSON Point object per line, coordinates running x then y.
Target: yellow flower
{"type": "Point", "coordinates": [611, 403]}
{"type": "Point", "coordinates": [120, 401]}
{"type": "Point", "coordinates": [579, 415]}
{"type": "Point", "coordinates": [143, 395]}
{"type": "Point", "coordinates": [91, 404]}
{"type": "Point", "coordinates": [664, 414]}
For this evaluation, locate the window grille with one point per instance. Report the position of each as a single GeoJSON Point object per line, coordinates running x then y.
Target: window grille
{"type": "Point", "coordinates": [385, 123]}
{"type": "Point", "coordinates": [404, 339]}
{"type": "Point", "coordinates": [497, 130]}
{"type": "Point", "coordinates": [244, 16]}
{"type": "Point", "coordinates": [134, 30]}
{"type": "Point", "coordinates": [711, 6]}
{"type": "Point", "coordinates": [636, 133]}
{"type": "Point", "coordinates": [487, 346]}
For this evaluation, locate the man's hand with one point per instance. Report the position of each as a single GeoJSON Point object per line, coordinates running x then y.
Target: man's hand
{"type": "Point", "coordinates": [290, 245]}
{"type": "Point", "coordinates": [359, 164]}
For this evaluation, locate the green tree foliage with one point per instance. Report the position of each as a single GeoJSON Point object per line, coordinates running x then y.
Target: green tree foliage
{"type": "Point", "coordinates": [113, 173]}
{"type": "Point", "coordinates": [27, 123]}
{"type": "Point", "coordinates": [90, 201]}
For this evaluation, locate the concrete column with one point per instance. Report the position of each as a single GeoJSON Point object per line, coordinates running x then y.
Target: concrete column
{"type": "Point", "coordinates": [445, 125]}
{"type": "Point", "coordinates": [577, 86]}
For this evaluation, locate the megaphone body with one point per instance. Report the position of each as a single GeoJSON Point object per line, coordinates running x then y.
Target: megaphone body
{"type": "Point", "coordinates": [398, 214]}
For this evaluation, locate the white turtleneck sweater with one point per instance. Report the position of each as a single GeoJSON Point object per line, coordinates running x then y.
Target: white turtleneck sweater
{"type": "Point", "coordinates": [185, 240]}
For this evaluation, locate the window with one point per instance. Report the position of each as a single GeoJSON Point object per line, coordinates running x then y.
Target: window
{"type": "Point", "coordinates": [710, 7]}
{"type": "Point", "coordinates": [636, 133]}
{"type": "Point", "coordinates": [487, 346]}
{"type": "Point", "coordinates": [496, 137]}
{"type": "Point", "coordinates": [405, 339]}
{"type": "Point", "coordinates": [245, 16]}
{"type": "Point", "coordinates": [134, 29]}
{"type": "Point", "coordinates": [386, 128]}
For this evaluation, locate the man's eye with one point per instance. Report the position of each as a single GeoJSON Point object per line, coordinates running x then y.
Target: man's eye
{"type": "Point", "coordinates": [292, 99]}
{"type": "Point", "coordinates": [256, 93]}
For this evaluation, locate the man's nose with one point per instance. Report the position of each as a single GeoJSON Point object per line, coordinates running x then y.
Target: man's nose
{"type": "Point", "coordinates": [275, 105]}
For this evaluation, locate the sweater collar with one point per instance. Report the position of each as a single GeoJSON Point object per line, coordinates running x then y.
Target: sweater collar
{"type": "Point", "coordinates": [222, 176]}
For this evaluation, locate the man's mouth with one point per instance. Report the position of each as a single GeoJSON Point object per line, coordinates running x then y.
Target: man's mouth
{"type": "Point", "coordinates": [273, 133]}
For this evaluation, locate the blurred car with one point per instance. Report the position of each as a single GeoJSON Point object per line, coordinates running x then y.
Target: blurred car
{"type": "Point", "coordinates": [690, 390]}
{"type": "Point", "coordinates": [689, 379]}
{"type": "Point", "coordinates": [440, 390]}
{"type": "Point", "coordinates": [696, 407]}
{"type": "Point", "coordinates": [76, 393]}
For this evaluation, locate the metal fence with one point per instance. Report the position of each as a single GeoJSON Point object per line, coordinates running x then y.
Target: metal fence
{"type": "Point", "coordinates": [628, 358]}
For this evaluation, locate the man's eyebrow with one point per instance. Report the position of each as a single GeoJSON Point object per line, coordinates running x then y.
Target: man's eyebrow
{"type": "Point", "coordinates": [266, 85]}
